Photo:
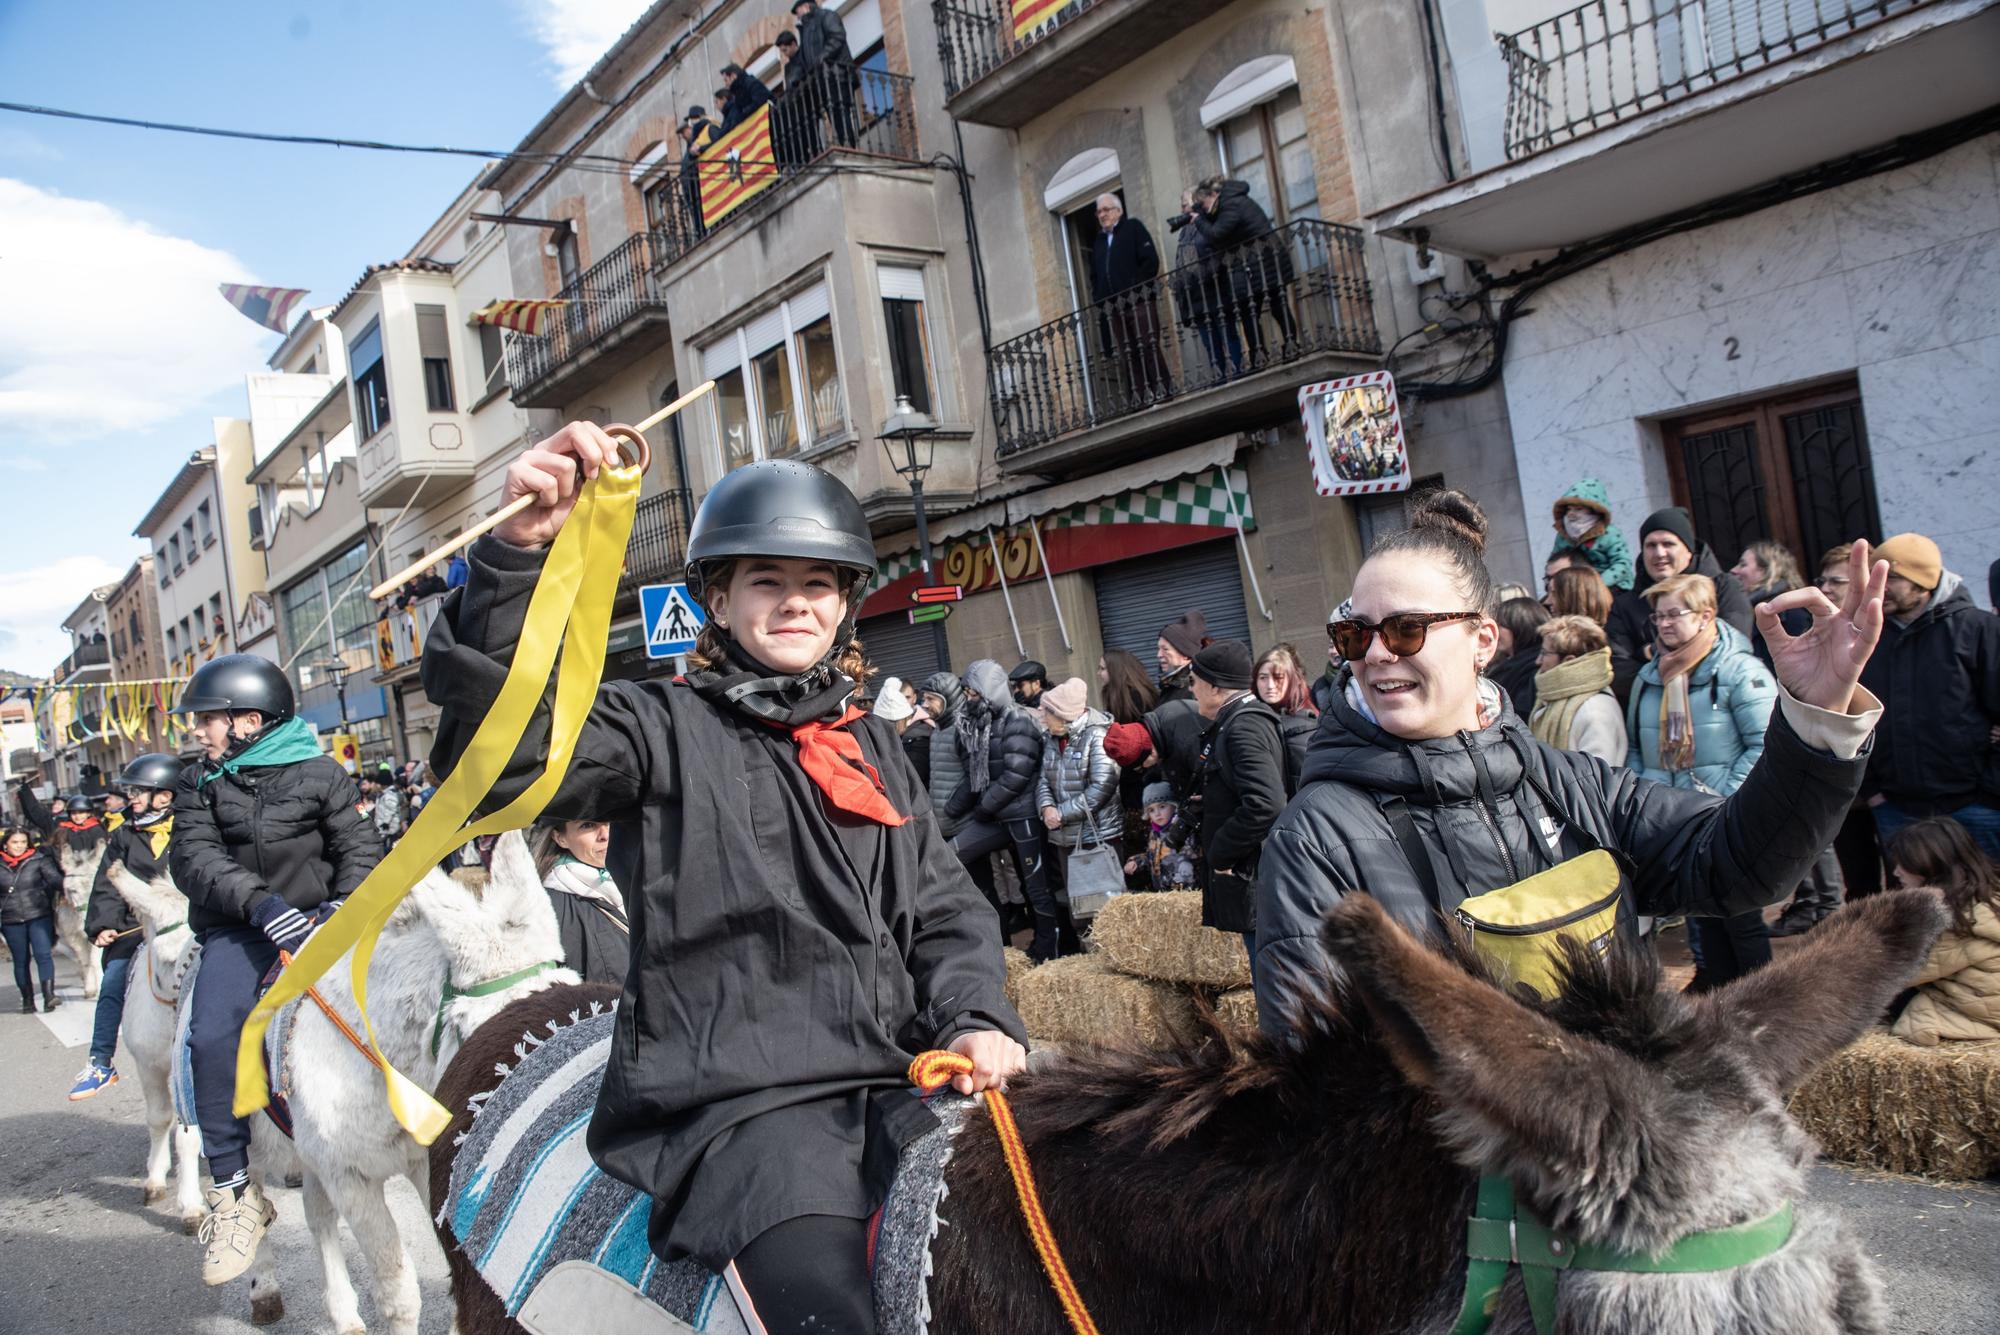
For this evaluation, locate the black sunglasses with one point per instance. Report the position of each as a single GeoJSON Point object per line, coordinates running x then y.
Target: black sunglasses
{"type": "Point", "coordinates": [1402, 634]}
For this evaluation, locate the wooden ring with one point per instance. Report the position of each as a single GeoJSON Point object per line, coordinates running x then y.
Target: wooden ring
{"type": "Point", "coordinates": [632, 440]}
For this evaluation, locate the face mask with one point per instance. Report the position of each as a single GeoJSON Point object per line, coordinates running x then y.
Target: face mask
{"type": "Point", "coordinates": [1576, 523]}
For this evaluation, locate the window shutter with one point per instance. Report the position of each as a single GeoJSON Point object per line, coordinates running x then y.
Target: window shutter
{"type": "Point", "coordinates": [900, 282]}
{"type": "Point", "coordinates": [1136, 598]}
{"type": "Point", "coordinates": [433, 342]}
{"type": "Point", "coordinates": [721, 357]}
{"type": "Point", "coordinates": [766, 331]}
{"type": "Point", "coordinates": [808, 306]}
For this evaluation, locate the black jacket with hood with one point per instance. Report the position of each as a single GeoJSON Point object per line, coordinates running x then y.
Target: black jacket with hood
{"type": "Point", "coordinates": [1013, 762]}
{"type": "Point", "coordinates": [1242, 781]}
{"type": "Point", "coordinates": [1938, 679]}
{"type": "Point", "coordinates": [131, 844]}
{"type": "Point", "coordinates": [1484, 826]}
{"type": "Point", "coordinates": [1630, 626]}
{"type": "Point", "coordinates": [1237, 221]}
{"type": "Point", "coordinates": [30, 890]}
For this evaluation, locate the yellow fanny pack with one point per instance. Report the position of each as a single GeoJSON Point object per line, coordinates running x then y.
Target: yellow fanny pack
{"type": "Point", "coordinates": [1520, 928]}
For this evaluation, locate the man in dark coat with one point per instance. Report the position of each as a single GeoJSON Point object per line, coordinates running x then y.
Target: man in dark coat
{"type": "Point", "coordinates": [1123, 263]}
{"type": "Point", "coordinates": [1242, 786]}
{"type": "Point", "coordinates": [1001, 745]}
{"type": "Point", "coordinates": [795, 135]}
{"type": "Point", "coordinates": [1258, 262]}
{"type": "Point", "coordinates": [745, 93]}
{"type": "Point", "coordinates": [1668, 547]}
{"type": "Point", "coordinates": [823, 48]}
{"type": "Point", "coordinates": [1180, 640]}
{"type": "Point", "coordinates": [697, 132]}
{"type": "Point", "coordinates": [1204, 298]}
{"type": "Point", "coordinates": [1937, 673]}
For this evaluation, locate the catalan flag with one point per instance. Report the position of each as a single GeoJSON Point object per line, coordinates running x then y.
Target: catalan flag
{"type": "Point", "coordinates": [520, 315]}
{"type": "Point", "coordinates": [268, 306]}
{"type": "Point", "coordinates": [1032, 14]}
{"type": "Point", "coordinates": [737, 166]}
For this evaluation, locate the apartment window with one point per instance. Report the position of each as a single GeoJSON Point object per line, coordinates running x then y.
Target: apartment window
{"type": "Point", "coordinates": [1266, 147]}
{"type": "Point", "coordinates": [187, 537]}
{"type": "Point", "coordinates": [216, 624]}
{"type": "Point", "coordinates": [908, 335]}
{"type": "Point", "coordinates": [492, 357]}
{"type": "Point", "coordinates": [664, 203]}
{"type": "Point", "coordinates": [174, 546]}
{"type": "Point", "coordinates": [777, 381]}
{"type": "Point", "coordinates": [371, 382]}
{"type": "Point", "coordinates": [434, 346]}
{"type": "Point", "coordinates": [135, 629]}
{"type": "Point", "coordinates": [205, 520]}
{"type": "Point", "coordinates": [160, 564]}
{"type": "Point", "coordinates": [310, 635]}
{"type": "Point", "coordinates": [311, 367]}
{"type": "Point", "coordinates": [569, 261]}
{"type": "Point", "coordinates": [173, 646]}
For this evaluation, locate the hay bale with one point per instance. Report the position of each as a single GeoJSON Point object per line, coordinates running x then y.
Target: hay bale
{"type": "Point", "coordinates": [1081, 1000]}
{"type": "Point", "coordinates": [1018, 964]}
{"type": "Point", "coordinates": [1161, 937]}
{"type": "Point", "coordinates": [1884, 1103]}
{"type": "Point", "coordinates": [1237, 1008]}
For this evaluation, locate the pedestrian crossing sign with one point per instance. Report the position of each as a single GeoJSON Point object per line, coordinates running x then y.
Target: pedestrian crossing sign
{"type": "Point", "coordinates": [672, 618]}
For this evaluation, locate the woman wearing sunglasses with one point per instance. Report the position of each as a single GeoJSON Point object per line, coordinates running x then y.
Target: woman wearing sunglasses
{"type": "Point", "coordinates": [1418, 756]}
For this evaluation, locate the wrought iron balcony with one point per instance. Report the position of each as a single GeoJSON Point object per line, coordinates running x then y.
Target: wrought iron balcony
{"type": "Point", "coordinates": [657, 551]}
{"type": "Point", "coordinates": [1610, 60]}
{"type": "Point", "coordinates": [1295, 293]}
{"type": "Point", "coordinates": [622, 294]}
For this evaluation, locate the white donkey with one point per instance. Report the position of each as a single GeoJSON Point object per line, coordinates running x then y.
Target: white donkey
{"type": "Point", "coordinates": [448, 961]}
{"type": "Point", "coordinates": [79, 874]}
{"type": "Point", "coordinates": [151, 997]}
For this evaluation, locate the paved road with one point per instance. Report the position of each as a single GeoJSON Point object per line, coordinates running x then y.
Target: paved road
{"type": "Point", "coordinates": [79, 1253]}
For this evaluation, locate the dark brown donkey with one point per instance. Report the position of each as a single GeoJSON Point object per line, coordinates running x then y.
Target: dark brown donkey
{"type": "Point", "coordinates": [1321, 1184]}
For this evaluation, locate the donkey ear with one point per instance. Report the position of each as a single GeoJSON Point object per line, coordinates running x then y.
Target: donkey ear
{"type": "Point", "coordinates": [514, 880]}
{"type": "Point", "coordinates": [1518, 1090]}
{"type": "Point", "coordinates": [1794, 1013]}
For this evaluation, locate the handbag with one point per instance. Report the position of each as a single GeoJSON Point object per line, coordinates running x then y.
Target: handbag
{"type": "Point", "coordinates": [1094, 873]}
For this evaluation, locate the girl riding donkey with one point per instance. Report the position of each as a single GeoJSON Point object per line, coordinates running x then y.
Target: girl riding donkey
{"type": "Point", "coordinates": [267, 841]}
{"type": "Point", "coordinates": [799, 929]}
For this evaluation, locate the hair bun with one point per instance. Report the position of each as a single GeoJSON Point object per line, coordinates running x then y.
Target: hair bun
{"type": "Point", "coordinates": [1452, 511]}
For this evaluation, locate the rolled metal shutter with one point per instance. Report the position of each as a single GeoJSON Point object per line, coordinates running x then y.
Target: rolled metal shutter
{"type": "Point", "coordinates": [897, 649]}
{"type": "Point", "coordinates": [1136, 598]}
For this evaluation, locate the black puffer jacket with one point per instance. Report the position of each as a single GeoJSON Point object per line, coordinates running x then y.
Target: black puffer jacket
{"type": "Point", "coordinates": [1242, 780]}
{"type": "Point", "coordinates": [289, 830]}
{"type": "Point", "coordinates": [1013, 763]}
{"type": "Point", "coordinates": [1938, 679]}
{"type": "Point", "coordinates": [1483, 825]}
{"type": "Point", "coordinates": [30, 891]}
{"type": "Point", "coordinates": [132, 845]}
{"type": "Point", "coordinates": [1254, 266]}
{"type": "Point", "coordinates": [1630, 626]}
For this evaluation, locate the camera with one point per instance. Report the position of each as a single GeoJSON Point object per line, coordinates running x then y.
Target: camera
{"type": "Point", "coordinates": [1178, 221]}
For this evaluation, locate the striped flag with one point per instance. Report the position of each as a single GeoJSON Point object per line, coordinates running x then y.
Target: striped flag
{"type": "Point", "coordinates": [520, 315]}
{"type": "Point", "coordinates": [737, 166]}
{"type": "Point", "coordinates": [1032, 14]}
{"type": "Point", "coordinates": [268, 306]}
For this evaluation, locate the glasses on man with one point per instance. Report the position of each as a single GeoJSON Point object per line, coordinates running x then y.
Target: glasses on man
{"type": "Point", "coordinates": [1833, 583]}
{"type": "Point", "coordinates": [1402, 634]}
{"type": "Point", "coordinates": [1668, 618]}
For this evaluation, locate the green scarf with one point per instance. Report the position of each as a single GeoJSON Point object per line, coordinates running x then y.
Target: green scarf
{"type": "Point", "coordinates": [287, 743]}
{"type": "Point", "coordinates": [1562, 691]}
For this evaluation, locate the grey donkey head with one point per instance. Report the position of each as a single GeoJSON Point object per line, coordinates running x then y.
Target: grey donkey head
{"type": "Point", "coordinates": [1632, 1117]}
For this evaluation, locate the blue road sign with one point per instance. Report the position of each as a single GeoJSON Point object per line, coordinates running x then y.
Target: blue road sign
{"type": "Point", "coordinates": [672, 619]}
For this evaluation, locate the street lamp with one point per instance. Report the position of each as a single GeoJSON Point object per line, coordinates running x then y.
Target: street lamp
{"type": "Point", "coordinates": [337, 669]}
{"type": "Point", "coordinates": [916, 434]}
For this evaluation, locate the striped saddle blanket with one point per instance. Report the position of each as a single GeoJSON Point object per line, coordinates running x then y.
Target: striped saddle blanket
{"type": "Point", "coordinates": [180, 1078]}
{"type": "Point", "coordinates": [525, 1197]}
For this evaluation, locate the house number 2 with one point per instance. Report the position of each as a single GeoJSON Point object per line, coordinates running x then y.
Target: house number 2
{"type": "Point", "coordinates": [1735, 353]}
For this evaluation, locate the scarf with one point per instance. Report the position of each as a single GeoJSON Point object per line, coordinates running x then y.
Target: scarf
{"type": "Point", "coordinates": [811, 708]}
{"type": "Point", "coordinates": [72, 823]}
{"type": "Point", "coordinates": [573, 876]}
{"type": "Point", "coordinates": [1562, 691]}
{"type": "Point", "coordinates": [14, 863]}
{"type": "Point", "coordinates": [285, 744]}
{"type": "Point", "coordinates": [1676, 715]}
{"type": "Point", "coordinates": [158, 827]}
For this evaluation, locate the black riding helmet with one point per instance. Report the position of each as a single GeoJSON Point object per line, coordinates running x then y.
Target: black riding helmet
{"type": "Point", "coordinates": [83, 804]}
{"type": "Point", "coordinates": [782, 508]}
{"type": "Point", "coordinates": [236, 682]}
{"type": "Point", "coordinates": [154, 770]}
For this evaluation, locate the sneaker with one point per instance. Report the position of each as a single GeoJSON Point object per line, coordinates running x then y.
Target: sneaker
{"type": "Point", "coordinates": [231, 1231]}
{"type": "Point", "coordinates": [94, 1080]}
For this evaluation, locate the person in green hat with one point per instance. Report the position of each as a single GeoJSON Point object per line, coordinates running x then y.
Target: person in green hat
{"type": "Point", "coordinates": [1583, 525]}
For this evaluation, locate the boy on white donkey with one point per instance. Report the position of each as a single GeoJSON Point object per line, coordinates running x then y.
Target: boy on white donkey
{"type": "Point", "coordinates": [266, 843]}
{"type": "Point", "coordinates": [799, 928]}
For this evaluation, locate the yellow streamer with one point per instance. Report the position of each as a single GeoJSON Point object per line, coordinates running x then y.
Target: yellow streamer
{"type": "Point", "coordinates": [569, 611]}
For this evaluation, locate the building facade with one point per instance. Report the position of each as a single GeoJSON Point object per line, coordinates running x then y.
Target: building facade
{"type": "Point", "coordinates": [133, 614]}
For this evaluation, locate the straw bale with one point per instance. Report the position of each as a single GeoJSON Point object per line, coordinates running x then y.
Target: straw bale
{"type": "Point", "coordinates": [1237, 1008]}
{"type": "Point", "coordinates": [1018, 965]}
{"type": "Point", "coordinates": [1884, 1103]}
{"type": "Point", "coordinates": [1161, 937]}
{"type": "Point", "coordinates": [1080, 1000]}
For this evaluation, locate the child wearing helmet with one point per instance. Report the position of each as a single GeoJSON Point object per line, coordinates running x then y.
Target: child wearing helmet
{"type": "Point", "coordinates": [140, 843]}
{"type": "Point", "coordinates": [799, 928]}
{"type": "Point", "coordinates": [266, 842]}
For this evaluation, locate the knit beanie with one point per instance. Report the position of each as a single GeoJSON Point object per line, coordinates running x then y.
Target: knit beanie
{"type": "Point", "coordinates": [1672, 520]}
{"type": "Point", "coordinates": [1158, 792]}
{"type": "Point", "coordinates": [891, 703]}
{"type": "Point", "coordinates": [990, 680]}
{"type": "Point", "coordinates": [1187, 635]}
{"type": "Point", "coordinates": [1915, 557]}
{"type": "Point", "coordinates": [1065, 702]}
{"type": "Point", "coordinates": [1224, 665]}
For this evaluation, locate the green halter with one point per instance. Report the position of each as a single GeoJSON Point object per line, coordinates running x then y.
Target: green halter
{"type": "Point", "coordinates": [485, 989]}
{"type": "Point", "coordinates": [1502, 1234]}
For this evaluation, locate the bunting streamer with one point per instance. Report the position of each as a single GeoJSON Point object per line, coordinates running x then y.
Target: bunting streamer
{"type": "Point", "coordinates": [569, 611]}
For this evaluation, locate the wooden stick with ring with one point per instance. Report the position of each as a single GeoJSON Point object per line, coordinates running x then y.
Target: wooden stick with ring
{"type": "Point", "coordinates": [632, 438]}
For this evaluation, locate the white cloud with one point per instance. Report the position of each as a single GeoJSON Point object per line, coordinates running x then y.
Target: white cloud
{"type": "Point", "coordinates": [124, 326]}
{"type": "Point", "coordinates": [33, 603]}
{"type": "Point", "coordinates": [574, 33]}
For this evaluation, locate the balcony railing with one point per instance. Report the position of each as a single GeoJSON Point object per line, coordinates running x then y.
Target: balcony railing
{"type": "Point", "coordinates": [976, 37]}
{"type": "Point", "coordinates": [401, 632]}
{"type": "Point", "coordinates": [657, 551]}
{"type": "Point", "coordinates": [1295, 292]}
{"type": "Point", "coordinates": [95, 653]}
{"type": "Point", "coordinates": [1610, 60]}
{"type": "Point", "coordinates": [876, 116]}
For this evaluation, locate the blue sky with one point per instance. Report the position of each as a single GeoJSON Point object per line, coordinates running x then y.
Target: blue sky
{"type": "Point", "coordinates": [116, 351]}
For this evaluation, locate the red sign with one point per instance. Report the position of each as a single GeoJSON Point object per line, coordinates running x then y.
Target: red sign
{"type": "Point", "coordinates": [938, 593]}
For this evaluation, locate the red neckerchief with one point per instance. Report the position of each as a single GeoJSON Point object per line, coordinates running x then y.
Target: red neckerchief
{"type": "Point", "coordinates": [14, 863]}
{"type": "Point", "coordinates": [72, 823]}
{"type": "Point", "coordinates": [831, 757]}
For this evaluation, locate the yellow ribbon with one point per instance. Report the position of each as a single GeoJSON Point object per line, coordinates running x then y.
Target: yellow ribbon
{"type": "Point", "coordinates": [569, 611]}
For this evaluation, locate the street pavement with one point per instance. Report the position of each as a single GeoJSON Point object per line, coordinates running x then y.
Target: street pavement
{"type": "Point", "coordinates": [78, 1252]}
